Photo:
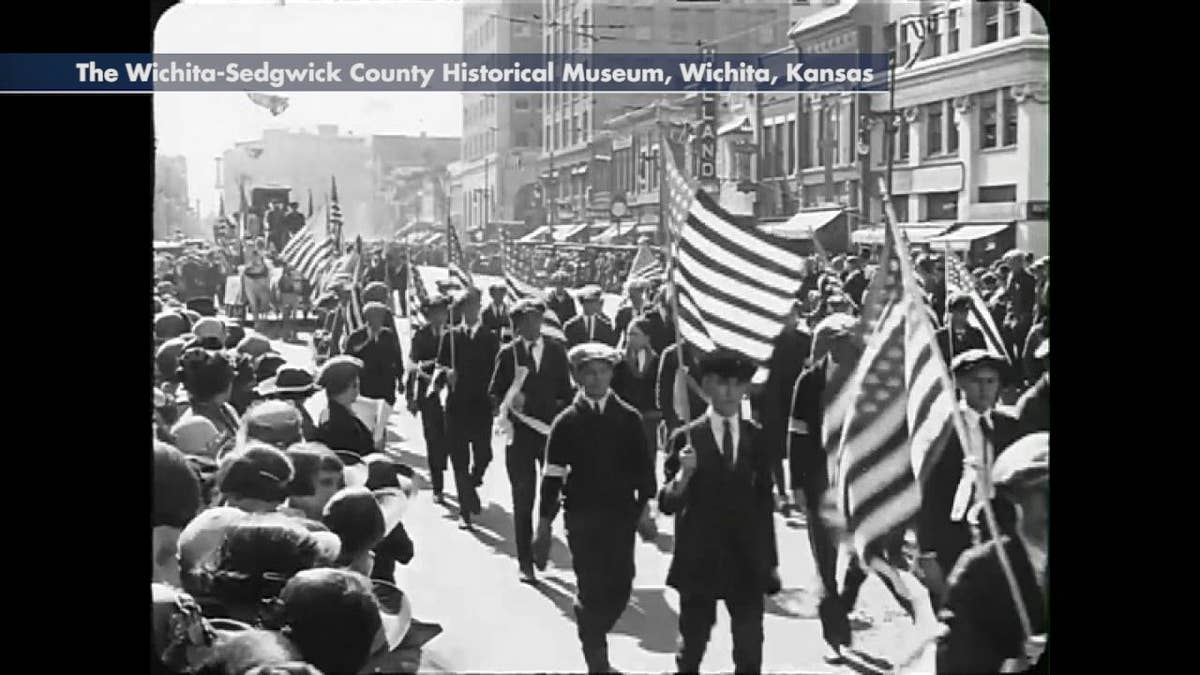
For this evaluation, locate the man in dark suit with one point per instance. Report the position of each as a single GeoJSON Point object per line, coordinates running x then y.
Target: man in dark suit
{"type": "Point", "coordinates": [835, 352]}
{"type": "Point", "coordinates": [959, 335]}
{"type": "Point", "coordinates": [560, 301]}
{"type": "Point", "coordinates": [983, 629]}
{"type": "Point", "coordinates": [719, 487]}
{"type": "Point", "coordinates": [545, 391]}
{"type": "Point", "coordinates": [662, 324]}
{"type": "Point", "coordinates": [792, 348]}
{"type": "Point", "coordinates": [495, 315]}
{"type": "Point", "coordinates": [598, 440]}
{"type": "Point", "coordinates": [377, 346]}
{"type": "Point", "coordinates": [592, 325]}
{"type": "Point", "coordinates": [429, 343]}
{"type": "Point", "coordinates": [943, 531]}
{"type": "Point", "coordinates": [855, 284]}
{"type": "Point", "coordinates": [468, 409]}
{"type": "Point", "coordinates": [632, 308]}
{"type": "Point", "coordinates": [666, 385]}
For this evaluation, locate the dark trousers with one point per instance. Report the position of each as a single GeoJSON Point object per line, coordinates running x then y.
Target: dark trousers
{"type": "Point", "coordinates": [460, 439]}
{"type": "Point", "coordinates": [835, 621]}
{"type": "Point", "coordinates": [433, 423]}
{"type": "Point", "coordinates": [523, 460]}
{"type": "Point", "coordinates": [698, 613]}
{"type": "Point", "coordinates": [601, 546]}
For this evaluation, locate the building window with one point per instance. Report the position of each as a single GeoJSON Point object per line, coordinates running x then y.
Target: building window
{"type": "Point", "coordinates": [905, 46]}
{"type": "Point", "coordinates": [902, 140]}
{"type": "Point", "coordinates": [952, 31]}
{"type": "Point", "coordinates": [1012, 19]}
{"type": "Point", "coordinates": [987, 121]}
{"type": "Point", "coordinates": [889, 39]}
{"type": "Point", "coordinates": [991, 21]}
{"type": "Point", "coordinates": [679, 24]}
{"type": "Point", "coordinates": [933, 128]}
{"type": "Point", "coordinates": [1010, 118]}
{"type": "Point", "coordinates": [951, 130]}
{"type": "Point", "coordinates": [791, 147]}
{"type": "Point", "coordinates": [941, 206]}
{"type": "Point", "coordinates": [992, 194]}
{"type": "Point", "coordinates": [933, 40]}
{"type": "Point", "coordinates": [900, 204]}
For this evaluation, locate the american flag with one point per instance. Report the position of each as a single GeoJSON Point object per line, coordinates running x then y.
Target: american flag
{"type": "Point", "coordinates": [959, 280]}
{"type": "Point", "coordinates": [736, 285]}
{"type": "Point", "coordinates": [335, 212]}
{"type": "Point", "coordinates": [308, 255]}
{"type": "Point", "coordinates": [518, 276]}
{"type": "Point", "coordinates": [645, 265]}
{"type": "Point", "coordinates": [902, 408]}
{"type": "Point", "coordinates": [455, 260]}
{"type": "Point", "coordinates": [416, 294]}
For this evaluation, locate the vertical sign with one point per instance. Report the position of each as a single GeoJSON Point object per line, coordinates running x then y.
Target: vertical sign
{"type": "Point", "coordinates": [707, 164]}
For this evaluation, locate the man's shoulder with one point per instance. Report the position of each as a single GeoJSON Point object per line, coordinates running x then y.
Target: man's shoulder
{"type": "Point", "coordinates": [624, 406]}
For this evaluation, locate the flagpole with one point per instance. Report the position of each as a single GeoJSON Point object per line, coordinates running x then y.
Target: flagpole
{"type": "Point", "coordinates": [950, 332]}
{"type": "Point", "coordinates": [960, 427]}
{"type": "Point", "coordinates": [449, 274]}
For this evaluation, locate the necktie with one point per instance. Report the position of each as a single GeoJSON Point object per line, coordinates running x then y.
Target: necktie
{"type": "Point", "coordinates": [727, 443]}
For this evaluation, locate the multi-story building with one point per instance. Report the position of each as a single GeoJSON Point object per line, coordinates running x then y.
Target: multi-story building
{"type": "Point", "coordinates": [402, 168]}
{"type": "Point", "coordinates": [970, 142]}
{"type": "Point", "coordinates": [306, 162]}
{"type": "Point", "coordinates": [172, 212]}
{"type": "Point", "coordinates": [501, 132]}
{"type": "Point", "coordinates": [572, 117]}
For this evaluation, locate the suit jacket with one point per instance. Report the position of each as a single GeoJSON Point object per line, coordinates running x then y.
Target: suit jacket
{"type": "Point", "coordinates": [791, 351]}
{"type": "Point", "coordinates": [625, 315]}
{"type": "Point", "coordinates": [497, 322]}
{"type": "Point", "coordinates": [668, 365]}
{"type": "Point", "coordinates": [474, 357]}
{"type": "Point", "coordinates": [1022, 294]}
{"type": "Point", "coordinates": [662, 331]}
{"type": "Point", "coordinates": [427, 350]}
{"type": "Point", "coordinates": [562, 305]}
{"type": "Point", "coordinates": [972, 339]}
{"type": "Point", "coordinates": [383, 362]}
{"type": "Point", "coordinates": [547, 389]}
{"type": "Point", "coordinates": [936, 532]}
{"type": "Point", "coordinates": [344, 431]}
{"type": "Point", "coordinates": [809, 466]}
{"type": "Point", "coordinates": [984, 629]}
{"type": "Point", "coordinates": [724, 523]}
{"type": "Point", "coordinates": [855, 286]}
{"type": "Point", "coordinates": [637, 388]}
{"type": "Point", "coordinates": [1033, 408]}
{"type": "Point", "coordinates": [577, 333]}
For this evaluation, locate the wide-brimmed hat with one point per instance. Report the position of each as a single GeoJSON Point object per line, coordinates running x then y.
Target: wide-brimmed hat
{"type": "Point", "coordinates": [267, 365]}
{"type": "Point", "coordinates": [339, 371]}
{"type": "Point", "coordinates": [289, 379]}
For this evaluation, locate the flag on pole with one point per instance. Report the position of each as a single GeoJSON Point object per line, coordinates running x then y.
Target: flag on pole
{"type": "Point", "coordinates": [736, 285]}
{"type": "Point", "coordinates": [959, 280]}
{"type": "Point", "coordinates": [455, 260]}
{"type": "Point", "coordinates": [309, 255]}
{"type": "Point", "coordinates": [415, 294]}
{"type": "Point", "coordinates": [518, 276]}
{"type": "Point", "coordinates": [275, 104]}
{"type": "Point", "coordinates": [645, 266]}
{"type": "Point", "coordinates": [335, 214]}
{"type": "Point", "coordinates": [243, 209]}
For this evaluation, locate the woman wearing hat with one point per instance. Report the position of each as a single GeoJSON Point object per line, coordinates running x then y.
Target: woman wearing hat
{"type": "Point", "coordinates": [343, 430]}
{"type": "Point", "coordinates": [208, 378]}
{"type": "Point", "coordinates": [295, 385]}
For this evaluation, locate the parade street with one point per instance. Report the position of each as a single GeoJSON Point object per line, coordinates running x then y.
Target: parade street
{"type": "Point", "coordinates": [468, 583]}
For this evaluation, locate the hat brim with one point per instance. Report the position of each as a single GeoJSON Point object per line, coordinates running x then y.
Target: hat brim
{"type": "Point", "coordinates": [269, 388]}
{"type": "Point", "coordinates": [395, 613]}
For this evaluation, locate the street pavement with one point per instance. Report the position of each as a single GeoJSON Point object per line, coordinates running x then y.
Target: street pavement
{"type": "Point", "coordinates": [468, 583]}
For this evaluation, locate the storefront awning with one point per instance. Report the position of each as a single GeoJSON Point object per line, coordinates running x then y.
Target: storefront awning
{"type": "Point", "coordinates": [803, 224]}
{"type": "Point", "coordinates": [970, 231]}
{"type": "Point", "coordinates": [566, 232]}
{"type": "Point", "coordinates": [579, 170]}
{"type": "Point", "coordinates": [917, 233]}
{"type": "Point", "coordinates": [740, 124]}
{"type": "Point", "coordinates": [535, 237]}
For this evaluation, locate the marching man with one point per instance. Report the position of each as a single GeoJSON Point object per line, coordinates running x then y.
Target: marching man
{"type": "Point", "coordinates": [596, 457]}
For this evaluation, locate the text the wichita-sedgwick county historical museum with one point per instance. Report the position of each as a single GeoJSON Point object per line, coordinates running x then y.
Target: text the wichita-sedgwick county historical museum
{"type": "Point", "coordinates": [316, 75]}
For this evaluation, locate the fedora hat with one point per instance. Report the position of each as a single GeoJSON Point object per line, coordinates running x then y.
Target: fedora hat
{"type": "Point", "coordinates": [289, 379]}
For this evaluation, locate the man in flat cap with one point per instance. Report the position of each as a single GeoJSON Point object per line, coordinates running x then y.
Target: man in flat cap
{"type": "Point", "coordinates": [426, 381]}
{"type": "Point", "coordinates": [812, 441]}
{"type": "Point", "coordinates": [943, 531]}
{"type": "Point", "coordinates": [591, 325]}
{"type": "Point", "coordinates": [598, 441]}
{"type": "Point", "coordinates": [468, 409]}
{"type": "Point", "coordinates": [631, 308]}
{"type": "Point", "coordinates": [343, 431]}
{"type": "Point", "coordinates": [718, 486]}
{"type": "Point", "coordinates": [495, 316]}
{"type": "Point", "coordinates": [377, 346]}
{"type": "Point", "coordinates": [855, 283]}
{"type": "Point", "coordinates": [958, 335]}
{"type": "Point", "coordinates": [789, 354]}
{"type": "Point", "coordinates": [542, 393]}
{"type": "Point", "coordinates": [983, 631]}
{"type": "Point", "coordinates": [560, 301]}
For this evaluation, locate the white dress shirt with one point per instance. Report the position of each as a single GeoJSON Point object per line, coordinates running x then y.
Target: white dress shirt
{"type": "Point", "coordinates": [965, 495]}
{"type": "Point", "coordinates": [590, 322]}
{"type": "Point", "coordinates": [718, 428]}
{"type": "Point", "coordinates": [535, 349]}
{"type": "Point", "coordinates": [596, 405]}
{"type": "Point", "coordinates": [641, 361]}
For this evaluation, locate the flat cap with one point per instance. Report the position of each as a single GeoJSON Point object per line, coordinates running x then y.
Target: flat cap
{"type": "Point", "coordinates": [590, 293]}
{"type": "Point", "coordinates": [497, 286]}
{"type": "Point", "coordinates": [338, 371]}
{"type": "Point", "coordinates": [375, 309]}
{"type": "Point", "coordinates": [834, 325]}
{"type": "Point", "coordinates": [434, 302]}
{"type": "Point", "coordinates": [464, 296]}
{"type": "Point", "coordinates": [592, 351]}
{"type": "Point", "coordinates": [975, 358]}
{"type": "Point", "coordinates": [728, 364]}
{"type": "Point", "coordinates": [526, 306]}
{"type": "Point", "coordinates": [1024, 462]}
{"type": "Point", "coordinates": [376, 291]}
{"type": "Point", "coordinates": [254, 345]}
{"type": "Point", "coordinates": [209, 327]}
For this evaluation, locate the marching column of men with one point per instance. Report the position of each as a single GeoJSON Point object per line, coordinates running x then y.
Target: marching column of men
{"type": "Point", "coordinates": [567, 428]}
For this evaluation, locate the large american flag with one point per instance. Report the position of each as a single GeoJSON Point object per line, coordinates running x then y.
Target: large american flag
{"type": "Point", "coordinates": [901, 409]}
{"type": "Point", "coordinates": [309, 255]}
{"type": "Point", "coordinates": [518, 276]}
{"type": "Point", "coordinates": [455, 260]}
{"type": "Point", "coordinates": [736, 285]}
{"type": "Point", "coordinates": [959, 280]}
